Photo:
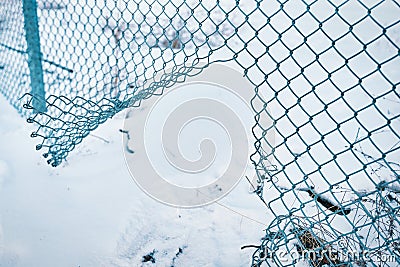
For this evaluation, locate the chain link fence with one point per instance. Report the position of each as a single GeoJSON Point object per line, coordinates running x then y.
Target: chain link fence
{"type": "Point", "coordinates": [328, 71]}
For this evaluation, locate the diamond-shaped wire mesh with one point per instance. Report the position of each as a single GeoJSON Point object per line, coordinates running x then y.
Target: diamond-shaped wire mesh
{"type": "Point", "coordinates": [328, 71]}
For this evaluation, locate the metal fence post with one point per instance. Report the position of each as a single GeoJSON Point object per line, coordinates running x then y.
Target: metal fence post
{"type": "Point", "coordinates": [31, 25]}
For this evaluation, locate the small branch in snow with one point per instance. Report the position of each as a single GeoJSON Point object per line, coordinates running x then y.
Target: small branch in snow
{"type": "Point", "coordinates": [101, 138]}
{"type": "Point", "coordinates": [390, 187]}
{"type": "Point", "coordinates": [250, 246]}
{"type": "Point", "coordinates": [128, 137]}
{"type": "Point", "coordinates": [325, 202]}
{"type": "Point", "coordinates": [258, 191]}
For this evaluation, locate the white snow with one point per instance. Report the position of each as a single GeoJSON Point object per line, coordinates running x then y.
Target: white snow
{"type": "Point", "coordinates": [89, 212]}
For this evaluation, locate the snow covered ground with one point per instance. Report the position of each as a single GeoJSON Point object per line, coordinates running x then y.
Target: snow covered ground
{"type": "Point", "coordinates": [89, 212]}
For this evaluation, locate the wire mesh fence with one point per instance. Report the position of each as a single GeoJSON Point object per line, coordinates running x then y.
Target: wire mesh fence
{"type": "Point", "coordinates": [328, 71]}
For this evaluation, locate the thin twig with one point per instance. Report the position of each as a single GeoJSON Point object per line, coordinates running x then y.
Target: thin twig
{"type": "Point", "coordinates": [255, 190]}
{"type": "Point", "coordinates": [250, 246]}
{"type": "Point", "coordinates": [128, 137]}
{"type": "Point", "coordinates": [101, 138]}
